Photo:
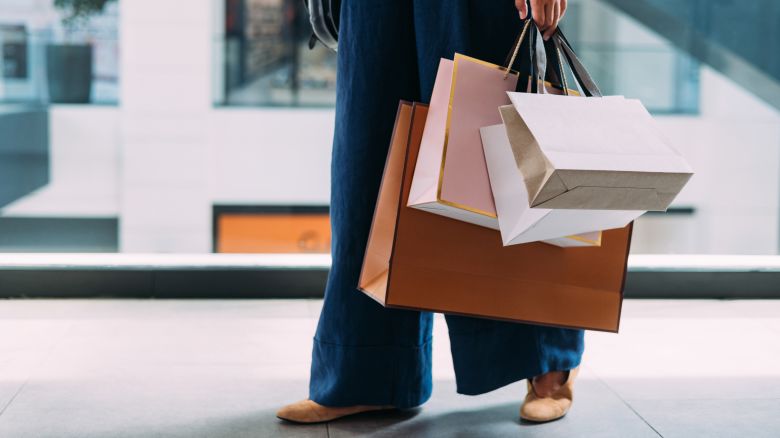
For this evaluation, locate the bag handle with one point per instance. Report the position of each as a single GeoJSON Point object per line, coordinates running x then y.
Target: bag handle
{"type": "Point", "coordinates": [510, 60]}
{"type": "Point", "coordinates": [536, 53]}
{"type": "Point", "coordinates": [580, 72]}
{"type": "Point", "coordinates": [561, 48]}
{"type": "Point", "coordinates": [539, 62]}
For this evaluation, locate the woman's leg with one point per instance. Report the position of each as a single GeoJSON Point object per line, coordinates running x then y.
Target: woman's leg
{"type": "Point", "coordinates": [363, 353]}
{"type": "Point", "coordinates": [490, 354]}
{"type": "Point", "coordinates": [487, 354]}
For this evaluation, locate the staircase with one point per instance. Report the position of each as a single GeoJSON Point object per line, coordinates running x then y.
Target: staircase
{"type": "Point", "coordinates": [738, 38]}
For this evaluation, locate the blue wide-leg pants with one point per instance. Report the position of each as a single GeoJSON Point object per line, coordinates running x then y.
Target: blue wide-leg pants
{"type": "Point", "coordinates": [365, 354]}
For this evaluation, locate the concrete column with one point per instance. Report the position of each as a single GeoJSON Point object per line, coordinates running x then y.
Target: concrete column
{"type": "Point", "coordinates": [166, 86]}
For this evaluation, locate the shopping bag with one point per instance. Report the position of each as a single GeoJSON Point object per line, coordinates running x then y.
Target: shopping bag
{"type": "Point", "coordinates": [519, 223]}
{"type": "Point", "coordinates": [593, 153]}
{"type": "Point", "coordinates": [450, 176]}
{"type": "Point", "coordinates": [421, 261]}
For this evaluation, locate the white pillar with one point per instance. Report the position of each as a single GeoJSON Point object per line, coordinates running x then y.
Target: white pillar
{"type": "Point", "coordinates": [165, 99]}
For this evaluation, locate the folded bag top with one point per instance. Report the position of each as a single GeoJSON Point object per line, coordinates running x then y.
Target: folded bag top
{"type": "Point", "coordinates": [519, 223]}
{"type": "Point", "coordinates": [603, 153]}
{"type": "Point", "coordinates": [594, 153]}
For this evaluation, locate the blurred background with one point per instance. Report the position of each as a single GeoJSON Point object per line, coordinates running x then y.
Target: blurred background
{"type": "Point", "coordinates": [181, 149]}
{"type": "Point", "coordinates": [165, 127]}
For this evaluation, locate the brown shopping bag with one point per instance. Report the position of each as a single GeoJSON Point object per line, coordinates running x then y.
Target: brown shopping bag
{"type": "Point", "coordinates": [421, 261]}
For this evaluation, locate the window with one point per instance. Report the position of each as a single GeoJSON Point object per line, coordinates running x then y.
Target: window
{"type": "Point", "coordinates": [267, 60]}
{"type": "Point", "coordinates": [46, 59]}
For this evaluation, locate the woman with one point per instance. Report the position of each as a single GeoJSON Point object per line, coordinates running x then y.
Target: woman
{"type": "Point", "coordinates": [367, 357]}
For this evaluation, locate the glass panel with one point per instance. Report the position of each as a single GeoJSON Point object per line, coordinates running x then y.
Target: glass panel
{"type": "Point", "coordinates": [151, 173]}
{"type": "Point", "coordinates": [44, 60]}
{"type": "Point", "coordinates": [728, 134]}
{"type": "Point", "coordinates": [59, 144]}
{"type": "Point", "coordinates": [626, 58]}
{"type": "Point", "coordinates": [267, 60]}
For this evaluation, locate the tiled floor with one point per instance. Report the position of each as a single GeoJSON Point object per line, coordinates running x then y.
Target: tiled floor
{"type": "Point", "coordinates": [130, 368]}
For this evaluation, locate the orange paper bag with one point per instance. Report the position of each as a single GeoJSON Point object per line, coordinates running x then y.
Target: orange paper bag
{"type": "Point", "coordinates": [417, 260]}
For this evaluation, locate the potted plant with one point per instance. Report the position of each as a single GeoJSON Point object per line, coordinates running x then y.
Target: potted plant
{"type": "Point", "coordinates": [69, 65]}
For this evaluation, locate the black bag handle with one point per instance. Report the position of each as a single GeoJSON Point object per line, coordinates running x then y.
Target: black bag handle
{"type": "Point", "coordinates": [538, 60]}
{"type": "Point", "coordinates": [584, 78]}
{"type": "Point", "coordinates": [558, 52]}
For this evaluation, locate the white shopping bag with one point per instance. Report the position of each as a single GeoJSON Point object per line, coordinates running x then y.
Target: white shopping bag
{"type": "Point", "coordinates": [518, 222]}
{"type": "Point", "coordinates": [593, 153]}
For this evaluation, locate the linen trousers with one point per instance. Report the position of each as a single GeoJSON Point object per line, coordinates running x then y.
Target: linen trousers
{"type": "Point", "coordinates": [365, 354]}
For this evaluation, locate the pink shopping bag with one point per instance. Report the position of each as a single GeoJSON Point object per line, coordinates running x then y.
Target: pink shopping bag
{"type": "Point", "coordinates": [450, 176]}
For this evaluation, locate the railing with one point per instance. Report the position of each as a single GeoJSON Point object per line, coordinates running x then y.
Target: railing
{"type": "Point", "coordinates": [304, 276]}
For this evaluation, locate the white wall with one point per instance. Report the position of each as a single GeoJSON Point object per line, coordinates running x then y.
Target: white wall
{"type": "Point", "coordinates": [271, 156]}
{"type": "Point", "coordinates": [165, 107]}
{"type": "Point", "coordinates": [84, 166]}
{"type": "Point", "coordinates": [180, 155]}
{"type": "Point", "coordinates": [734, 148]}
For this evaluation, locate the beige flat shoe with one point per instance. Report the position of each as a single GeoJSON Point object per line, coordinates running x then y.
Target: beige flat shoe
{"type": "Point", "coordinates": [309, 412]}
{"type": "Point", "coordinates": [542, 409]}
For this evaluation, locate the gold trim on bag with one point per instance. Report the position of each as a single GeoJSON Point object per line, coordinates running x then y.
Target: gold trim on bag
{"type": "Point", "coordinates": [439, 199]}
{"type": "Point", "coordinates": [517, 48]}
{"type": "Point", "coordinates": [579, 238]}
{"type": "Point", "coordinates": [507, 71]}
{"type": "Point", "coordinates": [458, 57]}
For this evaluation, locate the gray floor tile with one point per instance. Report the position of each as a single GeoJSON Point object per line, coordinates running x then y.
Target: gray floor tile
{"type": "Point", "coordinates": [179, 402]}
{"type": "Point", "coordinates": [15, 371]}
{"type": "Point", "coordinates": [213, 368]}
{"type": "Point", "coordinates": [711, 418]}
{"type": "Point", "coordinates": [774, 325]}
{"type": "Point", "coordinates": [22, 338]}
{"type": "Point", "coordinates": [668, 308]}
{"type": "Point", "coordinates": [688, 388]}
{"type": "Point", "coordinates": [676, 349]}
{"type": "Point", "coordinates": [8, 389]}
{"type": "Point", "coordinates": [764, 309]}
{"type": "Point", "coordinates": [174, 341]}
{"type": "Point", "coordinates": [598, 412]}
{"type": "Point", "coordinates": [24, 345]}
{"type": "Point", "coordinates": [701, 309]}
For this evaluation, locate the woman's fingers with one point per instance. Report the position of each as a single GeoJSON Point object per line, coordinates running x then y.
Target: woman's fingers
{"type": "Point", "coordinates": [537, 10]}
{"type": "Point", "coordinates": [522, 7]}
{"type": "Point", "coordinates": [554, 26]}
{"type": "Point", "coordinates": [549, 11]}
{"type": "Point", "coordinates": [546, 13]}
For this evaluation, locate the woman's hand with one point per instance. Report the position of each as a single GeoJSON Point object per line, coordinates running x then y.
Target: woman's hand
{"type": "Point", "coordinates": [547, 14]}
